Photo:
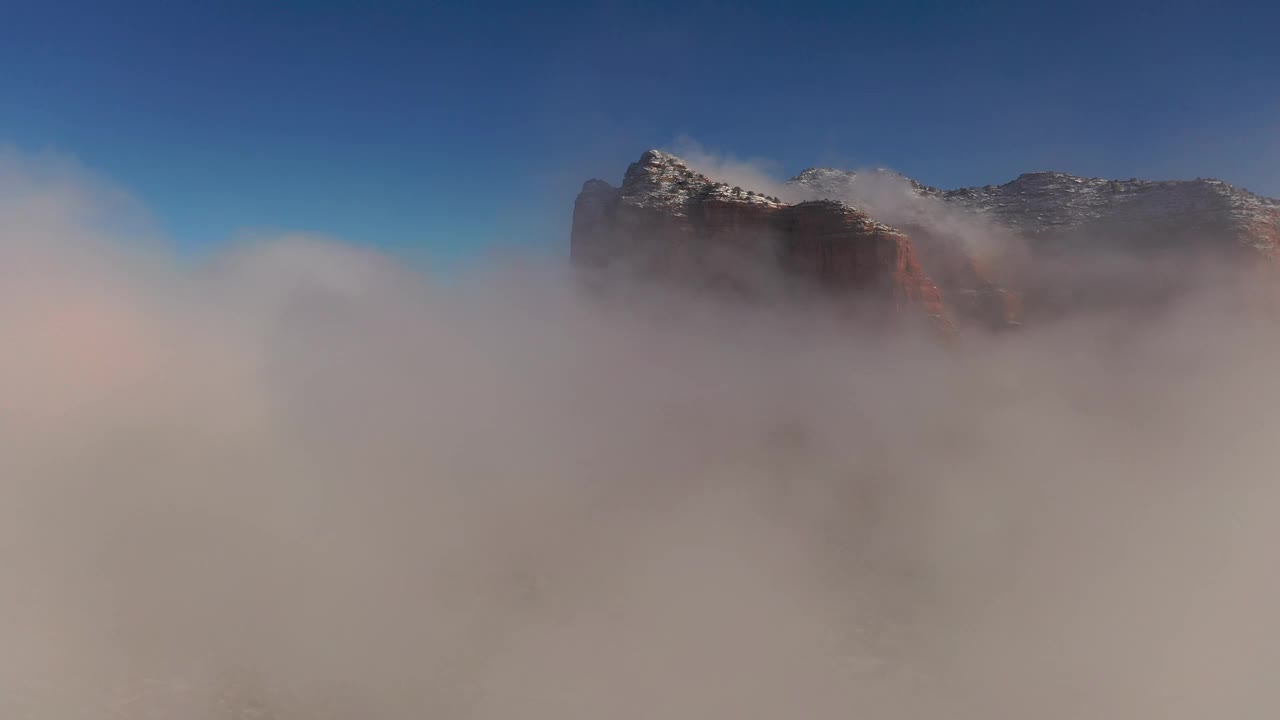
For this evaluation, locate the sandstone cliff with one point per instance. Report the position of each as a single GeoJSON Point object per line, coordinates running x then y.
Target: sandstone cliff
{"type": "Point", "coordinates": [668, 221]}
{"type": "Point", "coordinates": [1044, 245]}
{"type": "Point", "coordinates": [1049, 244]}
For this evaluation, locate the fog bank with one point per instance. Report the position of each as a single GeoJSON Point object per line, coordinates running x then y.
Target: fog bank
{"type": "Point", "coordinates": [300, 480]}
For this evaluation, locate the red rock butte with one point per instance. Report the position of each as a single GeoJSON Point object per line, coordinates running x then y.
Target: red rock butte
{"type": "Point", "coordinates": [966, 257]}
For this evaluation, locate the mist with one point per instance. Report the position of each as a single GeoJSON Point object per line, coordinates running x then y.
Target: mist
{"type": "Point", "coordinates": [301, 479]}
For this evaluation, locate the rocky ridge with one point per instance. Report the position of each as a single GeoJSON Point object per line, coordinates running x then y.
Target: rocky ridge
{"type": "Point", "coordinates": [970, 256]}
{"type": "Point", "coordinates": [670, 221]}
{"type": "Point", "coordinates": [1059, 206]}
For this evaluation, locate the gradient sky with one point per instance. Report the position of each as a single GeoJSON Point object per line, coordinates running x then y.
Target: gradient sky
{"type": "Point", "coordinates": [447, 129]}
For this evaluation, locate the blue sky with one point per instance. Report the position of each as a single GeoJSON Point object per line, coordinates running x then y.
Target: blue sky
{"type": "Point", "coordinates": [442, 130]}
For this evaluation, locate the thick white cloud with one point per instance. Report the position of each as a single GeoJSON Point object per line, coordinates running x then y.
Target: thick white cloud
{"type": "Point", "coordinates": [298, 477]}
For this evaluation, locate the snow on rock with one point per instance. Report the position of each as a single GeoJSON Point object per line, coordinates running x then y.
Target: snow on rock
{"type": "Point", "coordinates": [663, 181]}
{"type": "Point", "coordinates": [1056, 204]}
{"type": "Point", "coordinates": [668, 220]}
{"type": "Point", "coordinates": [974, 254]}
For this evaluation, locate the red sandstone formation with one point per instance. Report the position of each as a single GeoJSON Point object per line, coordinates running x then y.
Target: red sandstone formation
{"type": "Point", "coordinates": [669, 221]}
{"type": "Point", "coordinates": [1066, 244]}
{"type": "Point", "coordinates": [1042, 246]}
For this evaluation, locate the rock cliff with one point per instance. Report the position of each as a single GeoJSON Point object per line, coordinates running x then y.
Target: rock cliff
{"type": "Point", "coordinates": [1043, 245]}
{"type": "Point", "coordinates": [669, 221]}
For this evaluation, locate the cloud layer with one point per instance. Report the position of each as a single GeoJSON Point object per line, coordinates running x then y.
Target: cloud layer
{"type": "Point", "coordinates": [303, 481]}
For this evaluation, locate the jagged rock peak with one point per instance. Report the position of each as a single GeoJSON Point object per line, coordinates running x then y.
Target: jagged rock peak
{"type": "Point", "coordinates": [594, 186]}
{"type": "Point", "coordinates": [836, 180]}
{"type": "Point", "coordinates": [664, 181]}
{"type": "Point", "coordinates": [668, 221]}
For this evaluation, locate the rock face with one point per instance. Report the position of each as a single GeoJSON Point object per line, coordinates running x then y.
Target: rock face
{"type": "Point", "coordinates": [1043, 245]}
{"type": "Point", "coordinates": [1050, 244]}
{"type": "Point", "coordinates": [669, 221]}
{"type": "Point", "coordinates": [1051, 208]}
{"type": "Point", "coordinates": [955, 248]}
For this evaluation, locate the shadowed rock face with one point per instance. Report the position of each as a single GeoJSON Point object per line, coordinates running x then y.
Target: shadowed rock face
{"type": "Point", "coordinates": [670, 222]}
{"type": "Point", "coordinates": [1096, 244]}
{"type": "Point", "coordinates": [1054, 208]}
{"type": "Point", "coordinates": [1052, 244]}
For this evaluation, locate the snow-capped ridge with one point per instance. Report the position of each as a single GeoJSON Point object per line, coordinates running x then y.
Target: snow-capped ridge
{"type": "Point", "coordinates": [662, 180]}
{"type": "Point", "coordinates": [1052, 202]}
{"type": "Point", "coordinates": [1034, 204]}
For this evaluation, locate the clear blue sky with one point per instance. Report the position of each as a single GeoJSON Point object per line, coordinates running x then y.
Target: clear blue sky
{"type": "Point", "coordinates": [449, 128]}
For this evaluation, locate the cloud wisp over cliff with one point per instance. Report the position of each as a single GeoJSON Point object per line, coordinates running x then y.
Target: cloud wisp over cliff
{"type": "Point", "coordinates": [300, 480]}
